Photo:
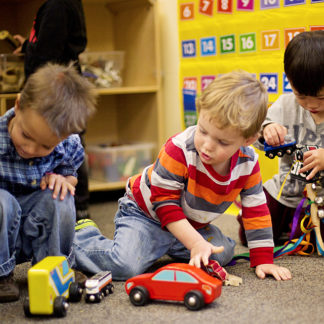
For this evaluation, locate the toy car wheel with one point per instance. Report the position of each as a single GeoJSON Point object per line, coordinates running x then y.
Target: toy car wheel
{"type": "Point", "coordinates": [194, 300]}
{"type": "Point", "coordinates": [75, 292]}
{"type": "Point", "coordinates": [139, 296]}
{"type": "Point", "coordinates": [289, 151]}
{"type": "Point", "coordinates": [111, 289]}
{"type": "Point", "coordinates": [60, 306]}
{"type": "Point", "coordinates": [280, 153]}
{"type": "Point", "coordinates": [270, 155]}
{"type": "Point", "coordinates": [105, 291]}
{"type": "Point", "coordinates": [26, 308]}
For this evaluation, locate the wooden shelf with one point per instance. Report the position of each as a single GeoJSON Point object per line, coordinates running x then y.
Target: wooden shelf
{"type": "Point", "coordinates": [133, 112]}
{"type": "Point", "coordinates": [95, 185]}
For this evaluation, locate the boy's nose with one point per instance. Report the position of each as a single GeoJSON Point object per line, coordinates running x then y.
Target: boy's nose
{"type": "Point", "coordinates": [312, 103]}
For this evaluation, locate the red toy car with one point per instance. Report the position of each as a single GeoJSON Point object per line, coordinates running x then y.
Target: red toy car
{"type": "Point", "coordinates": [176, 282]}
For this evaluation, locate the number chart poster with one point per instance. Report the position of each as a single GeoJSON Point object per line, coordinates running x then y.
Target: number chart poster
{"type": "Point", "coordinates": [218, 36]}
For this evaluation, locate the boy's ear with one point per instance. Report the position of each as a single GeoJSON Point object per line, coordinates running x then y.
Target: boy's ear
{"type": "Point", "coordinates": [17, 102]}
{"type": "Point", "coordinates": [251, 140]}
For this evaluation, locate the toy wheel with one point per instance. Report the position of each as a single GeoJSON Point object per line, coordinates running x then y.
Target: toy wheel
{"type": "Point", "coordinates": [60, 306]}
{"type": "Point", "coordinates": [270, 155]}
{"type": "Point", "coordinates": [280, 153]}
{"type": "Point", "coordinates": [194, 300]}
{"type": "Point", "coordinates": [111, 289]}
{"type": "Point", "coordinates": [26, 308]}
{"type": "Point", "coordinates": [75, 292]}
{"type": "Point", "coordinates": [105, 291]}
{"type": "Point", "coordinates": [139, 296]}
{"type": "Point", "coordinates": [289, 151]}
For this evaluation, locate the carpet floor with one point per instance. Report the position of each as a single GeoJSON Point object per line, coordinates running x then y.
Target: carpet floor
{"type": "Point", "coordinates": [300, 300]}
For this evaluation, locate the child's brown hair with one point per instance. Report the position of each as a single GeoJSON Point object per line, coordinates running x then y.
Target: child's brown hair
{"type": "Point", "coordinates": [61, 96]}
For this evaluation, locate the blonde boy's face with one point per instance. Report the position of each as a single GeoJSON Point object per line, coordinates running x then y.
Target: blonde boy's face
{"type": "Point", "coordinates": [216, 146]}
{"type": "Point", "coordinates": [31, 134]}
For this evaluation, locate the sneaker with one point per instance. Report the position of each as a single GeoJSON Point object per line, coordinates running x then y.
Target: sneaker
{"type": "Point", "coordinates": [80, 277]}
{"type": "Point", "coordinates": [82, 214]}
{"type": "Point", "coordinates": [82, 223]}
{"type": "Point", "coordinates": [9, 290]}
{"type": "Point", "coordinates": [241, 232]}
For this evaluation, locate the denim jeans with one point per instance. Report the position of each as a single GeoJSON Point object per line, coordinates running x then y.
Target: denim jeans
{"type": "Point", "coordinates": [34, 226]}
{"type": "Point", "coordinates": [138, 242]}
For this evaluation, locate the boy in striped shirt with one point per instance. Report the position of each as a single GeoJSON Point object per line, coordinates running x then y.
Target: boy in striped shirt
{"type": "Point", "coordinates": [168, 209]}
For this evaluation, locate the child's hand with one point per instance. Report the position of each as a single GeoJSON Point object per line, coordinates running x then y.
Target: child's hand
{"type": "Point", "coordinates": [201, 252]}
{"type": "Point", "coordinates": [21, 40]}
{"type": "Point", "coordinates": [313, 160]}
{"type": "Point", "coordinates": [274, 134]}
{"type": "Point", "coordinates": [279, 273]}
{"type": "Point", "coordinates": [58, 183]}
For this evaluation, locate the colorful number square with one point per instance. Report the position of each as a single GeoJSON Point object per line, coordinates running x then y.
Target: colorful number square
{"type": "Point", "coordinates": [206, 7]}
{"type": "Point", "coordinates": [208, 46]}
{"type": "Point", "coordinates": [247, 42]}
{"type": "Point", "coordinates": [286, 84]}
{"type": "Point", "coordinates": [187, 11]}
{"type": "Point", "coordinates": [245, 5]}
{"type": "Point", "coordinates": [227, 44]}
{"type": "Point", "coordinates": [290, 33]}
{"type": "Point", "coordinates": [206, 80]}
{"type": "Point", "coordinates": [189, 48]}
{"type": "Point", "coordinates": [225, 6]}
{"type": "Point", "coordinates": [293, 2]}
{"type": "Point", "coordinates": [270, 40]}
{"type": "Point", "coordinates": [270, 80]}
{"type": "Point", "coordinates": [269, 4]}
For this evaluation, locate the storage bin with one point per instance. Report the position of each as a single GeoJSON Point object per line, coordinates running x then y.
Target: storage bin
{"type": "Point", "coordinates": [103, 69]}
{"type": "Point", "coordinates": [118, 163]}
{"type": "Point", "coordinates": [12, 74]}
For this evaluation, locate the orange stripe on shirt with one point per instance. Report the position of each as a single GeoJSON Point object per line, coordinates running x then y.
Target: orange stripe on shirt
{"type": "Point", "coordinates": [253, 180]}
{"type": "Point", "coordinates": [257, 223]}
{"type": "Point", "coordinates": [209, 195]}
{"type": "Point", "coordinates": [171, 164]}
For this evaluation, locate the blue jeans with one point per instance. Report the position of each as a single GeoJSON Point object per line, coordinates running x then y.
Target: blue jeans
{"type": "Point", "coordinates": [34, 226]}
{"type": "Point", "coordinates": [138, 242]}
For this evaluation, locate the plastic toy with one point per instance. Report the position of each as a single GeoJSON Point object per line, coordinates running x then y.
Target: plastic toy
{"type": "Point", "coordinates": [51, 283]}
{"type": "Point", "coordinates": [316, 215]}
{"type": "Point", "coordinates": [98, 286]}
{"type": "Point", "coordinates": [214, 269]}
{"type": "Point", "coordinates": [174, 282]}
{"type": "Point", "coordinates": [273, 151]}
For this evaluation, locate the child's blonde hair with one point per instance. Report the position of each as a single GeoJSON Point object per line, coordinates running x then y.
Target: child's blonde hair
{"type": "Point", "coordinates": [237, 100]}
{"type": "Point", "coordinates": [61, 96]}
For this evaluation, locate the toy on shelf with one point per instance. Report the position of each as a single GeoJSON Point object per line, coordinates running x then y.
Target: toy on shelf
{"type": "Point", "coordinates": [51, 283]}
{"type": "Point", "coordinates": [98, 286]}
{"type": "Point", "coordinates": [174, 282]}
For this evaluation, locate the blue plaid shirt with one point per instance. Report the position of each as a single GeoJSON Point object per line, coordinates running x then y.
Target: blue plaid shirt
{"type": "Point", "coordinates": [22, 176]}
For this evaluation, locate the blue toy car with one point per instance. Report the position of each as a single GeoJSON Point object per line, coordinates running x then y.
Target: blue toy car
{"type": "Point", "coordinates": [272, 151]}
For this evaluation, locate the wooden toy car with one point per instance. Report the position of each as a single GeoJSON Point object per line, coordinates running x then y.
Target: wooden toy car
{"type": "Point", "coordinates": [273, 151]}
{"type": "Point", "coordinates": [174, 282]}
{"type": "Point", "coordinates": [51, 283]}
{"type": "Point", "coordinates": [98, 286]}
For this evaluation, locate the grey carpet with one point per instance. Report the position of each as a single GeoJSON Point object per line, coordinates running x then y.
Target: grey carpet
{"type": "Point", "coordinates": [300, 300]}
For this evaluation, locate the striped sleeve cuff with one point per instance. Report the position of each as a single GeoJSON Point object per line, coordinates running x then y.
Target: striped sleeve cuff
{"type": "Point", "coordinates": [262, 255]}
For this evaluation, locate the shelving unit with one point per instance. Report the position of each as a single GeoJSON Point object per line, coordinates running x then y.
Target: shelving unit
{"type": "Point", "coordinates": [133, 112]}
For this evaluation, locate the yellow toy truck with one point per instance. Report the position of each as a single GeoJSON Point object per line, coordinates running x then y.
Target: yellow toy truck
{"type": "Point", "coordinates": [51, 283]}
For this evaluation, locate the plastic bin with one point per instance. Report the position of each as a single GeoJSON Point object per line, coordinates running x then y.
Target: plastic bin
{"type": "Point", "coordinates": [118, 163]}
{"type": "Point", "coordinates": [104, 69]}
{"type": "Point", "coordinates": [12, 74]}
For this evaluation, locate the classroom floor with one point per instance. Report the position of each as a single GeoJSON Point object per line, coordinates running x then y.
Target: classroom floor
{"type": "Point", "coordinates": [300, 300]}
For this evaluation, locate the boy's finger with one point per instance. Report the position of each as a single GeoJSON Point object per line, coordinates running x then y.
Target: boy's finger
{"type": "Point", "coordinates": [218, 249]}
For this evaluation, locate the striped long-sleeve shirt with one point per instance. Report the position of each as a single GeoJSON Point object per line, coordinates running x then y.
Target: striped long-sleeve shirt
{"type": "Point", "coordinates": [179, 185]}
